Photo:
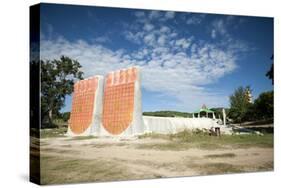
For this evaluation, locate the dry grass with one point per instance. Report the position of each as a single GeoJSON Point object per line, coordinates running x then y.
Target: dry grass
{"type": "Point", "coordinates": [152, 156]}
{"type": "Point", "coordinates": [54, 132]}
{"type": "Point", "coordinates": [59, 170]}
{"type": "Point", "coordinates": [217, 168]}
{"type": "Point", "coordinates": [224, 155]}
{"type": "Point", "coordinates": [188, 139]}
{"type": "Point", "coordinates": [266, 167]}
{"type": "Point", "coordinates": [58, 151]}
{"type": "Point", "coordinates": [173, 146]}
{"type": "Point", "coordinates": [83, 137]}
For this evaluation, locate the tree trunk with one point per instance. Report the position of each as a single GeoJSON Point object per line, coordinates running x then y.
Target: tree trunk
{"type": "Point", "coordinates": [50, 116]}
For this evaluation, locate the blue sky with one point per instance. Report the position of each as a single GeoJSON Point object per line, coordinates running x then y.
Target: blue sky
{"type": "Point", "coordinates": [186, 59]}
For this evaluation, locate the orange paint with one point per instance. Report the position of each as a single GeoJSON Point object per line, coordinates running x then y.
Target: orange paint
{"type": "Point", "coordinates": [118, 104]}
{"type": "Point", "coordinates": [83, 105]}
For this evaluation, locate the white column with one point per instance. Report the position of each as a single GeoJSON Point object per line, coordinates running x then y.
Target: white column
{"type": "Point", "coordinates": [224, 116]}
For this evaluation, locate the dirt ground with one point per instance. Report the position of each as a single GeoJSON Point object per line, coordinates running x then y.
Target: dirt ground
{"type": "Point", "coordinates": [67, 160]}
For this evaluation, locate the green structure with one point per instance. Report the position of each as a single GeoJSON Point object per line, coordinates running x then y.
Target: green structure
{"type": "Point", "coordinates": [204, 112]}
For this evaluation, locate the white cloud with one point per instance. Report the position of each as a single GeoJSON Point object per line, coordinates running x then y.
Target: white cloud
{"type": "Point", "coordinates": [135, 37]}
{"type": "Point", "coordinates": [149, 39]}
{"type": "Point", "coordinates": [154, 14]}
{"type": "Point", "coordinates": [213, 34]}
{"type": "Point", "coordinates": [173, 35]}
{"type": "Point", "coordinates": [179, 76]}
{"type": "Point", "coordinates": [219, 27]}
{"type": "Point", "coordinates": [166, 66]}
{"type": "Point", "coordinates": [148, 27]}
{"type": "Point", "coordinates": [139, 14]}
{"type": "Point", "coordinates": [102, 39]}
{"type": "Point", "coordinates": [195, 19]}
{"type": "Point", "coordinates": [165, 29]}
{"type": "Point", "coordinates": [183, 43]}
{"type": "Point", "coordinates": [161, 40]}
{"type": "Point", "coordinates": [170, 15]}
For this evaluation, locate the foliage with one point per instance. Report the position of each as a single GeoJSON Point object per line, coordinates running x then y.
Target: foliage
{"type": "Point", "coordinates": [241, 110]}
{"type": "Point", "coordinates": [65, 116]}
{"type": "Point", "coordinates": [264, 105]}
{"type": "Point", "coordinates": [239, 104]}
{"type": "Point", "coordinates": [34, 94]}
{"type": "Point", "coordinates": [167, 114]}
{"type": "Point", "coordinates": [218, 112]}
{"type": "Point", "coordinates": [270, 73]}
{"type": "Point", "coordinates": [251, 114]}
{"type": "Point", "coordinates": [57, 80]}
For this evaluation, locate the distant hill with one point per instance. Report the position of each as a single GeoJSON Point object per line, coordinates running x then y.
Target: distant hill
{"type": "Point", "coordinates": [167, 114]}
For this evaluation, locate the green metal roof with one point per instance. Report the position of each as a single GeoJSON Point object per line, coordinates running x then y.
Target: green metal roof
{"type": "Point", "coordinates": [203, 110]}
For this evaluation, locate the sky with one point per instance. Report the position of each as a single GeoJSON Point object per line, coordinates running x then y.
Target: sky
{"type": "Point", "coordinates": [186, 59]}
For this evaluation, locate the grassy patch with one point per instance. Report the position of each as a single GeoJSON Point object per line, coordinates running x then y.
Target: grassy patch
{"type": "Point", "coordinates": [224, 155]}
{"type": "Point", "coordinates": [67, 145]}
{"type": "Point", "coordinates": [216, 168]}
{"type": "Point", "coordinates": [54, 132]}
{"type": "Point", "coordinates": [58, 170]}
{"type": "Point", "coordinates": [246, 141]}
{"type": "Point", "coordinates": [224, 168]}
{"type": "Point", "coordinates": [174, 146]}
{"type": "Point", "coordinates": [154, 136]}
{"type": "Point", "coordinates": [103, 145]}
{"type": "Point", "coordinates": [201, 140]}
{"type": "Point", "coordinates": [266, 166]}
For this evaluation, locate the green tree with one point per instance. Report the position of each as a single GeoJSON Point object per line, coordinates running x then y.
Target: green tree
{"type": "Point", "coordinates": [269, 74]}
{"type": "Point", "coordinates": [264, 105]}
{"type": "Point", "coordinates": [57, 80]}
{"type": "Point", "coordinates": [218, 112]}
{"type": "Point", "coordinates": [239, 104]}
{"type": "Point", "coordinates": [65, 116]}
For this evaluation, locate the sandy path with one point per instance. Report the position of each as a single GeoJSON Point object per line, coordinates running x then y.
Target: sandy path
{"type": "Point", "coordinates": [159, 163]}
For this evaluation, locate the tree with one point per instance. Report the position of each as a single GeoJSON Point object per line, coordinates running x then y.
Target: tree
{"type": "Point", "coordinates": [57, 80]}
{"type": "Point", "coordinates": [269, 74]}
{"type": "Point", "coordinates": [239, 104]}
{"type": "Point", "coordinates": [65, 116]}
{"type": "Point", "coordinates": [264, 105]}
{"type": "Point", "coordinates": [218, 112]}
